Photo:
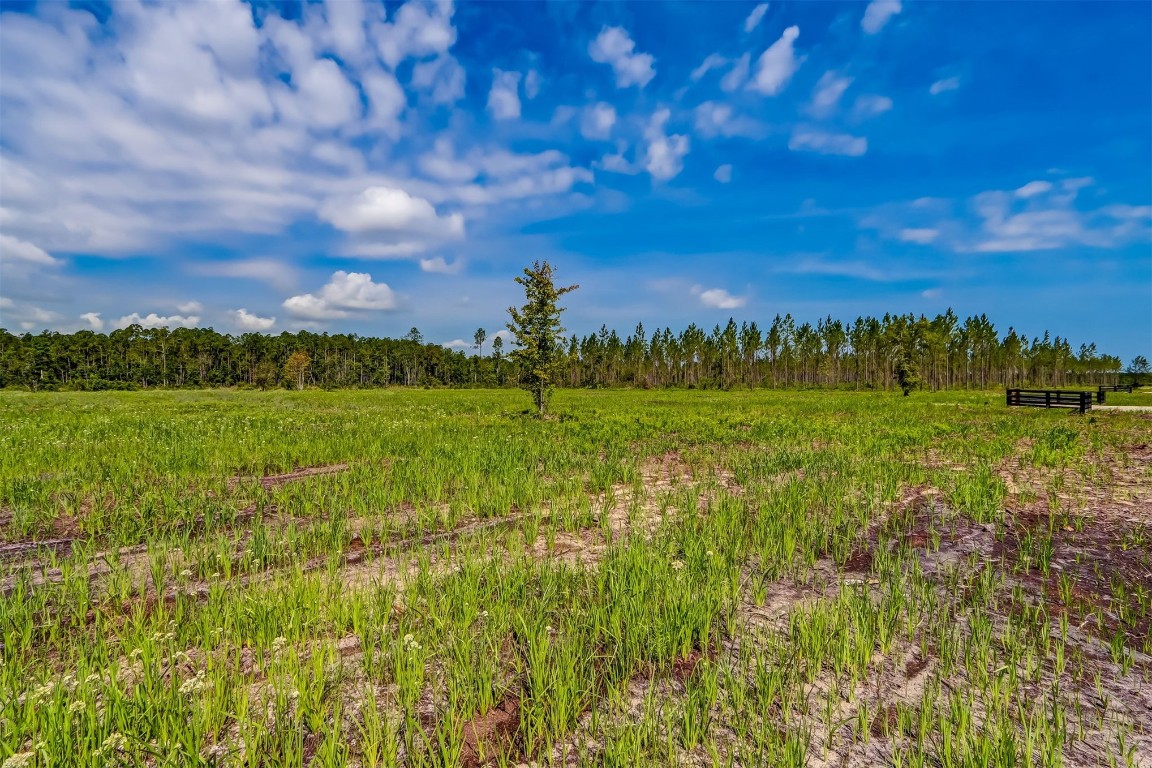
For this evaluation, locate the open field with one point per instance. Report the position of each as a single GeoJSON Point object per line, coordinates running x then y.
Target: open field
{"type": "Point", "coordinates": [432, 578]}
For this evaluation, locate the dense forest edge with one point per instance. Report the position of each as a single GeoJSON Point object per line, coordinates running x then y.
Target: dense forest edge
{"type": "Point", "coordinates": [870, 353]}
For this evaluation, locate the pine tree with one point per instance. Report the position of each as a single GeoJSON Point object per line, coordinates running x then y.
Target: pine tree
{"type": "Point", "coordinates": [536, 328]}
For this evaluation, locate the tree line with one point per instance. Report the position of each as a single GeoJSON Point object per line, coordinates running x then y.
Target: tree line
{"type": "Point", "coordinates": [943, 352]}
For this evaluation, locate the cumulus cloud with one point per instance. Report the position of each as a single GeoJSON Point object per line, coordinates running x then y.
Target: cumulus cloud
{"type": "Point", "coordinates": [344, 293]}
{"type": "Point", "coordinates": [809, 139]}
{"type": "Point", "coordinates": [441, 163]}
{"type": "Point", "coordinates": [943, 86]}
{"type": "Point", "coordinates": [597, 120]}
{"type": "Point", "coordinates": [441, 80]}
{"type": "Point", "coordinates": [388, 222]}
{"type": "Point", "coordinates": [755, 17]}
{"type": "Point", "coordinates": [13, 249]}
{"type": "Point", "coordinates": [723, 174]}
{"type": "Point", "coordinates": [248, 321]}
{"type": "Point", "coordinates": [200, 120]}
{"type": "Point", "coordinates": [457, 344]}
{"type": "Point", "coordinates": [94, 321]}
{"type": "Point", "coordinates": [877, 14]}
{"type": "Point", "coordinates": [504, 98]}
{"type": "Point", "coordinates": [190, 308]}
{"type": "Point", "coordinates": [718, 298]}
{"type": "Point", "coordinates": [617, 162]}
{"type": "Point", "coordinates": [615, 46]}
{"type": "Point", "coordinates": [417, 30]}
{"type": "Point", "coordinates": [870, 105]}
{"type": "Point", "coordinates": [438, 265]}
{"type": "Point", "coordinates": [489, 175]}
{"type": "Point", "coordinates": [715, 118]}
{"type": "Point", "coordinates": [777, 64]}
{"type": "Point", "coordinates": [153, 320]}
{"type": "Point", "coordinates": [665, 154]}
{"type": "Point", "coordinates": [826, 95]}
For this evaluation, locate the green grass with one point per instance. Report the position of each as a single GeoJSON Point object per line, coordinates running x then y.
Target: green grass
{"type": "Point", "coordinates": [651, 578]}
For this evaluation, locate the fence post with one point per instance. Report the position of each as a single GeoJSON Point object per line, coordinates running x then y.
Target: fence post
{"type": "Point", "coordinates": [1047, 399]}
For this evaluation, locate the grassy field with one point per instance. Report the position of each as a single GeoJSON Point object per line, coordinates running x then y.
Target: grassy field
{"type": "Point", "coordinates": [434, 578]}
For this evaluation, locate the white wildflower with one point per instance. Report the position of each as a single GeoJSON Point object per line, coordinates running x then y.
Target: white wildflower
{"type": "Point", "coordinates": [19, 760]}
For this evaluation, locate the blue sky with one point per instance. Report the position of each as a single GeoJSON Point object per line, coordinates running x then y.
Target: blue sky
{"type": "Point", "coordinates": [368, 168]}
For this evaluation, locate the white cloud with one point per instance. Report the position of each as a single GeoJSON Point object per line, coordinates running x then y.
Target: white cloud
{"type": "Point", "coordinates": [736, 77]}
{"type": "Point", "coordinates": [345, 292]}
{"type": "Point", "coordinates": [388, 222]}
{"type": "Point", "coordinates": [438, 265]}
{"type": "Point", "coordinates": [615, 47]}
{"type": "Point", "coordinates": [826, 95]}
{"type": "Point", "coordinates": [618, 163]}
{"type": "Point", "coordinates": [196, 119]}
{"type": "Point", "coordinates": [457, 344]}
{"type": "Point", "coordinates": [921, 235]}
{"type": "Point", "coordinates": [532, 82]}
{"type": "Point", "coordinates": [718, 298]}
{"type": "Point", "coordinates": [665, 155]}
{"type": "Point", "coordinates": [442, 79]}
{"type": "Point", "coordinates": [854, 269]}
{"type": "Point", "coordinates": [190, 308]}
{"type": "Point", "coordinates": [442, 163]}
{"type": "Point", "coordinates": [1034, 188]}
{"type": "Point", "coordinates": [931, 293]}
{"type": "Point", "coordinates": [13, 249]}
{"type": "Point", "coordinates": [153, 320]}
{"type": "Point", "coordinates": [247, 321]}
{"type": "Point", "coordinates": [504, 98]}
{"type": "Point", "coordinates": [715, 118]}
{"type": "Point", "coordinates": [417, 30]}
{"type": "Point", "coordinates": [1038, 216]}
{"type": "Point", "coordinates": [777, 64]}
{"type": "Point", "coordinates": [29, 317]}
{"type": "Point", "coordinates": [1047, 218]}
{"type": "Point", "coordinates": [943, 86]}
{"type": "Point", "coordinates": [870, 105]}
{"type": "Point", "coordinates": [95, 322]}
{"type": "Point", "coordinates": [597, 120]}
{"type": "Point", "coordinates": [809, 139]}
{"type": "Point", "coordinates": [386, 99]}
{"type": "Point", "coordinates": [877, 13]}
{"type": "Point", "coordinates": [713, 61]}
{"type": "Point", "coordinates": [325, 98]}
{"type": "Point", "coordinates": [755, 17]}
{"type": "Point", "coordinates": [274, 272]}
{"type": "Point", "coordinates": [723, 174]}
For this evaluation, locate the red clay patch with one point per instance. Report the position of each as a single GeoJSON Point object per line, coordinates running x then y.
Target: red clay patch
{"type": "Point", "coordinates": [486, 735]}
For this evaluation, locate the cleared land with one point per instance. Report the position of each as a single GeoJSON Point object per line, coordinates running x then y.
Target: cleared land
{"type": "Point", "coordinates": [655, 578]}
